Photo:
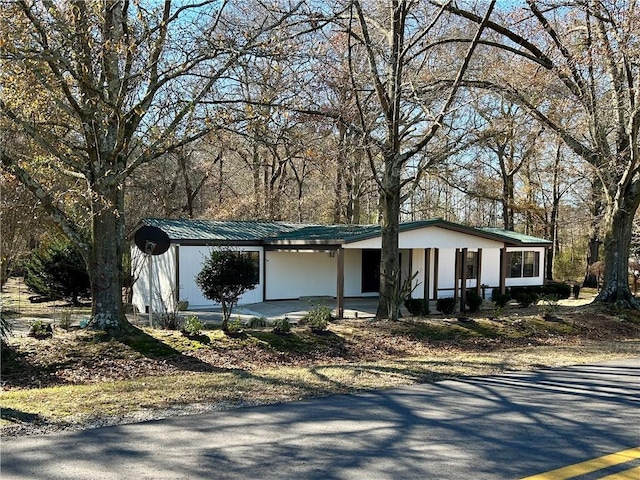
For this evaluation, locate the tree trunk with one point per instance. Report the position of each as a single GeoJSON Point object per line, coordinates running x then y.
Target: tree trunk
{"type": "Point", "coordinates": [593, 247]}
{"type": "Point", "coordinates": [389, 303]}
{"type": "Point", "coordinates": [555, 210]}
{"type": "Point", "coordinates": [617, 240]}
{"type": "Point", "coordinates": [104, 262]}
{"type": "Point", "coordinates": [340, 169]}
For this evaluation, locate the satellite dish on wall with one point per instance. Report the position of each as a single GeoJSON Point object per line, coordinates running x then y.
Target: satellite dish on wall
{"type": "Point", "coordinates": [152, 240]}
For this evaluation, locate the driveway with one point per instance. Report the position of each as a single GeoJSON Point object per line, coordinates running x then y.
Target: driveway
{"type": "Point", "coordinates": [499, 427]}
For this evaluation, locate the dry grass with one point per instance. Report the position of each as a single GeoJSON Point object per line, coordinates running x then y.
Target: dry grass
{"type": "Point", "coordinates": [81, 378]}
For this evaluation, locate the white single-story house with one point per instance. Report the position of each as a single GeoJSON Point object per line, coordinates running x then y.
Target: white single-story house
{"type": "Point", "coordinates": [297, 260]}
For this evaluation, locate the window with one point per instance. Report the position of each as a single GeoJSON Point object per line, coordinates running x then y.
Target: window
{"type": "Point", "coordinates": [471, 265]}
{"type": "Point", "coordinates": [523, 264]}
{"type": "Point", "coordinates": [255, 258]}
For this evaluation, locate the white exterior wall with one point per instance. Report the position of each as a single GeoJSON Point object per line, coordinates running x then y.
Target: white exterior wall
{"type": "Point", "coordinates": [490, 268]}
{"type": "Point", "coordinates": [295, 274]}
{"type": "Point", "coordinates": [191, 259]}
{"type": "Point", "coordinates": [432, 237]}
{"type": "Point", "coordinates": [164, 273]}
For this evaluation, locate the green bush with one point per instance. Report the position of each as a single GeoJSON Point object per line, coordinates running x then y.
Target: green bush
{"type": "Point", "coordinates": [417, 306]}
{"type": "Point", "coordinates": [317, 318]}
{"type": "Point", "coordinates": [56, 270]}
{"type": "Point", "coordinates": [225, 276]}
{"type": "Point", "coordinates": [559, 289]}
{"type": "Point", "coordinates": [446, 306]}
{"type": "Point", "coordinates": [257, 322]}
{"type": "Point", "coordinates": [525, 299]}
{"type": "Point", "coordinates": [473, 300]}
{"type": "Point", "coordinates": [548, 305]}
{"type": "Point", "coordinates": [40, 329]}
{"type": "Point", "coordinates": [501, 299]}
{"type": "Point", "coordinates": [281, 326]}
{"type": "Point", "coordinates": [5, 327]}
{"type": "Point", "coordinates": [192, 325]}
{"type": "Point", "coordinates": [235, 326]}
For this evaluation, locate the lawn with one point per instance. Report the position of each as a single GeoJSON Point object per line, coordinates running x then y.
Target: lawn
{"type": "Point", "coordinates": [80, 379]}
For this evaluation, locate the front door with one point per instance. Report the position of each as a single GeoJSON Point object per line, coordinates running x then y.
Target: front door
{"type": "Point", "coordinates": [371, 271]}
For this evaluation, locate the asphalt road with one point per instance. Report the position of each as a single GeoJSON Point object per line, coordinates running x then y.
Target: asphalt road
{"type": "Point", "coordinates": [500, 427]}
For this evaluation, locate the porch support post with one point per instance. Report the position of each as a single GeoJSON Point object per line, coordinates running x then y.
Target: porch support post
{"type": "Point", "coordinates": [456, 276]}
{"type": "Point", "coordinates": [503, 270]}
{"type": "Point", "coordinates": [340, 285]}
{"type": "Point", "coordinates": [427, 274]}
{"type": "Point", "coordinates": [436, 270]}
{"type": "Point", "coordinates": [463, 280]}
{"type": "Point", "coordinates": [479, 273]}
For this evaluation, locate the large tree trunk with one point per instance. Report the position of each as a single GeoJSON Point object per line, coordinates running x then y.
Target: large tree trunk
{"type": "Point", "coordinates": [617, 240]}
{"type": "Point", "coordinates": [104, 262]}
{"type": "Point", "coordinates": [389, 302]}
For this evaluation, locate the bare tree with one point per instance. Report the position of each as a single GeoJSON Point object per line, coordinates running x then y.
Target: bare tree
{"type": "Point", "coordinates": [582, 56]}
{"type": "Point", "coordinates": [397, 39]}
{"type": "Point", "coordinates": [123, 84]}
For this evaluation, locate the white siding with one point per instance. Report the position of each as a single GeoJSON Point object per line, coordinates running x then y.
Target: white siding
{"type": "Point", "coordinates": [191, 260]}
{"type": "Point", "coordinates": [491, 268]}
{"type": "Point", "coordinates": [433, 237]}
{"type": "Point", "coordinates": [164, 273]}
{"type": "Point", "coordinates": [291, 274]}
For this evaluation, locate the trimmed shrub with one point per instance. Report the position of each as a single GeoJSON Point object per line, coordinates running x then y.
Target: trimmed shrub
{"type": "Point", "coordinates": [417, 306]}
{"type": "Point", "coordinates": [225, 276]}
{"type": "Point", "coordinates": [560, 289]}
{"type": "Point", "coordinates": [501, 299]}
{"type": "Point", "coordinates": [257, 322]}
{"type": "Point", "coordinates": [525, 299]}
{"type": "Point", "coordinates": [446, 306]}
{"type": "Point", "coordinates": [473, 300]}
{"type": "Point", "coordinates": [317, 318]}
{"type": "Point", "coordinates": [234, 326]}
{"type": "Point", "coordinates": [281, 326]}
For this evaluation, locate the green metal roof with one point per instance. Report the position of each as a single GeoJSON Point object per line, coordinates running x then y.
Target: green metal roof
{"type": "Point", "coordinates": [219, 230]}
{"type": "Point", "coordinates": [326, 233]}
{"type": "Point", "coordinates": [516, 237]}
{"type": "Point", "coordinates": [223, 231]}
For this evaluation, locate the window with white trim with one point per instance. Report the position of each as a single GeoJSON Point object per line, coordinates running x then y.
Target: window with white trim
{"type": "Point", "coordinates": [523, 264]}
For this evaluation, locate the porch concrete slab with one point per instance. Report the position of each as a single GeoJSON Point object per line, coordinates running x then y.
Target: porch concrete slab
{"type": "Point", "coordinates": [294, 310]}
